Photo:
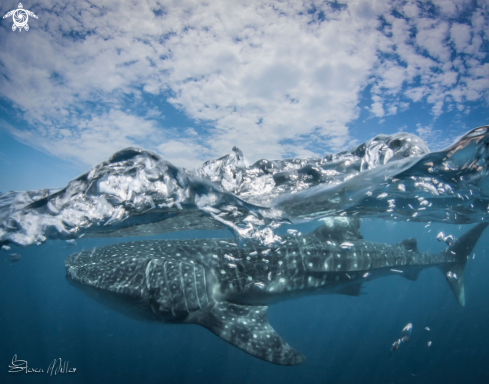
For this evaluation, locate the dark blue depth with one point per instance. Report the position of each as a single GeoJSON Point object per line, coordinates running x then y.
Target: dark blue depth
{"type": "Point", "coordinates": [345, 339]}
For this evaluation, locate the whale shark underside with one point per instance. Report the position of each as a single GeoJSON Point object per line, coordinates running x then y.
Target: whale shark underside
{"type": "Point", "coordinates": [227, 288]}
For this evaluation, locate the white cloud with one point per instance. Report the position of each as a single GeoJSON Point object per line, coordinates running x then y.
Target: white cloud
{"type": "Point", "coordinates": [263, 75]}
{"type": "Point", "coordinates": [460, 35]}
{"type": "Point", "coordinates": [184, 152]}
{"type": "Point", "coordinates": [451, 7]}
{"type": "Point", "coordinates": [435, 139]}
{"type": "Point", "coordinates": [410, 9]}
{"type": "Point", "coordinates": [453, 57]}
{"type": "Point", "coordinates": [376, 108]}
{"type": "Point", "coordinates": [431, 36]}
{"type": "Point", "coordinates": [393, 77]}
{"type": "Point", "coordinates": [90, 140]}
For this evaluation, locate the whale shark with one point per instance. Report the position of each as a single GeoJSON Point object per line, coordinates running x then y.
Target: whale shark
{"type": "Point", "coordinates": [227, 288]}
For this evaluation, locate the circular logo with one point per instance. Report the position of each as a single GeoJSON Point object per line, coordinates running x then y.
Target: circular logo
{"type": "Point", "coordinates": [20, 18]}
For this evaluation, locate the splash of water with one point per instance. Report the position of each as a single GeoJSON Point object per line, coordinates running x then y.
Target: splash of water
{"type": "Point", "coordinates": [137, 192]}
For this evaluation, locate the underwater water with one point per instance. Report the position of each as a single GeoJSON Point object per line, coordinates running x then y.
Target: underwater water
{"type": "Point", "coordinates": [396, 187]}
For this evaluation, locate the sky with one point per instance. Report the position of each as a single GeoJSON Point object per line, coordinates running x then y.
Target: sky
{"type": "Point", "coordinates": [190, 80]}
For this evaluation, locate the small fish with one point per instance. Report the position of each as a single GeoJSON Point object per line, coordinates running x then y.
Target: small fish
{"type": "Point", "coordinates": [291, 231]}
{"type": "Point", "coordinates": [346, 245]}
{"type": "Point", "coordinates": [396, 270]}
{"type": "Point", "coordinates": [451, 276]}
{"type": "Point", "coordinates": [71, 243]}
{"type": "Point", "coordinates": [5, 247]}
{"type": "Point", "coordinates": [225, 242]}
{"type": "Point", "coordinates": [230, 258]}
{"type": "Point", "coordinates": [366, 275]}
{"type": "Point", "coordinates": [440, 237]}
{"type": "Point", "coordinates": [260, 285]}
{"type": "Point", "coordinates": [448, 239]}
{"type": "Point", "coordinates": [427, 328]}
{"type": "Point", "coordinates": [429, 344]}
{"type": "Point", "coordinates": [406, 332]}
{"type": "Point", "coordinates": [396, 345]}
{"type": "Point", "coordinates": [473, 256]}
{"type": "Point", "coordinates": [13, 257]}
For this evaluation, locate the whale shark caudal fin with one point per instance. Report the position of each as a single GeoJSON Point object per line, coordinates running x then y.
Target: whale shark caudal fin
{"type": "Point", "coordinates": [454, 272]}
{"type": "Point", "coordinates": [247, 328]}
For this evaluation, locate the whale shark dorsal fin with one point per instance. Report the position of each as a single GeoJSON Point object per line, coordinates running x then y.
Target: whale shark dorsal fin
{"type": "Point", "coordinates": [409, 244]}
{"type": "Point", "coordinates": [339, 229]}
{"type": "Point", "coordinates": [247, 328]}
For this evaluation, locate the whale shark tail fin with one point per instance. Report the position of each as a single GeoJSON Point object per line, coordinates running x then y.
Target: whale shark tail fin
{"type": "Point", "coordinates": [454, 271]}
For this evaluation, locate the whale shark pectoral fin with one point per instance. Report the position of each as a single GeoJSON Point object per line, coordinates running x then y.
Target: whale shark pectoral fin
{"type": "Point", "coordinates": [411, 273]}
{"type": "Point", "coordinates": [247, 328]}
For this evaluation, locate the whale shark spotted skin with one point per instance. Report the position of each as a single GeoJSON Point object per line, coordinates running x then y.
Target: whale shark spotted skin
{"type": "Point", "coordinates": [227, 289]}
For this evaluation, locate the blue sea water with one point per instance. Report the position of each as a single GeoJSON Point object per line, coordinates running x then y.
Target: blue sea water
{"type": "Point", "coordinates": [393, 183]}
{"type": "Point", "coordinates": [345, 339]}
